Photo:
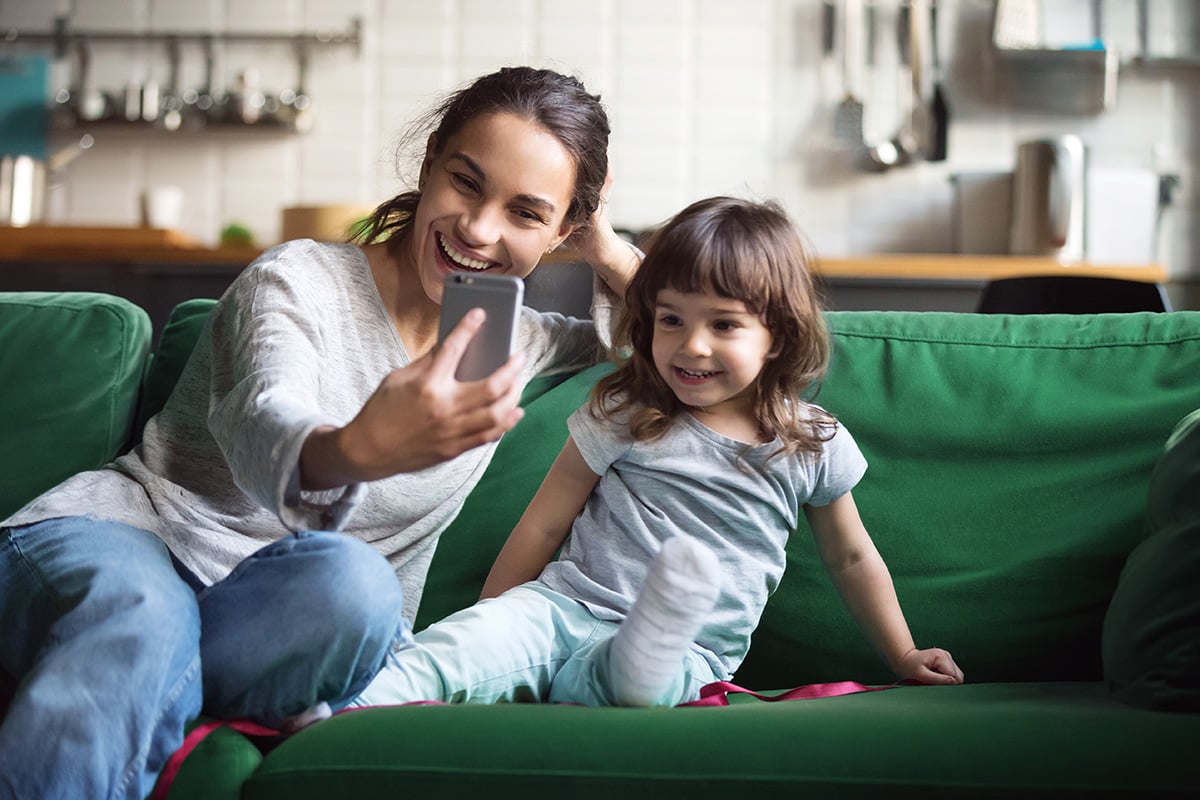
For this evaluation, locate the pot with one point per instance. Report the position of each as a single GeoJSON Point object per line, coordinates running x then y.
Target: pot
{"type": "Point", "coordinates": [23, 182]}
{"type": "Point", "coordinates": [1048, 199]}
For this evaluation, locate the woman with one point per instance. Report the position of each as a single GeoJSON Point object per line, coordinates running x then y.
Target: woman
{"type": "Point", "coordinates": [314, 449]}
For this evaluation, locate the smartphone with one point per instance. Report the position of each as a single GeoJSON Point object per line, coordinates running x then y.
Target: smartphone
{"type": "Point", "coordinates": [498, 295]}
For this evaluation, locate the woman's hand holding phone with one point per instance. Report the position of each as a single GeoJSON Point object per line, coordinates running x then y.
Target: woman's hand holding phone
{"type": "Point", "coordinates": [420, 416]}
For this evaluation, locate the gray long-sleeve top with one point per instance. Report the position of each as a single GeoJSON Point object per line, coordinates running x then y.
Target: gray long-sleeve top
{"type": "Point", "coordinates": [300, 339]}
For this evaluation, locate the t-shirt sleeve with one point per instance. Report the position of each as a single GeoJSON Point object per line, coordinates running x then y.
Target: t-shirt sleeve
{"type": "Point", "coordinates": [840, 468]}
{"type": "Point", "coordinates": [600, 441]}
{"type": "Point", "coordinates": [266, 365]}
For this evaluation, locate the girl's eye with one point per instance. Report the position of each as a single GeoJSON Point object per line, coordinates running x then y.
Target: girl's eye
{"type": "Point", "coordinates": [725, 325]}
{"type": "Point", "coordinates": [668, 320]}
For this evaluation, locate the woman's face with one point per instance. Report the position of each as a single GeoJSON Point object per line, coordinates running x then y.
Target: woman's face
{"type": "Point", "coordinates": [493, 199]}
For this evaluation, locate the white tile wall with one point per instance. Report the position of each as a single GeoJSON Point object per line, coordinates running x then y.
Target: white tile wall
{"type": "Point", "coordinates": [705, 96]}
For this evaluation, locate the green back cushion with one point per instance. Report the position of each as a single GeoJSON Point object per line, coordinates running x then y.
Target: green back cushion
{"type": "Point", "coordinates": [175, 345]}
{"type": "Point", "coordinates": [1009, 459]}
{"type": "Point", "coordinates": [467, 548]}
{"type": "Point", "coordinates": [71, 366]}
{"type": "Point", "coordinates": [1152, 629]}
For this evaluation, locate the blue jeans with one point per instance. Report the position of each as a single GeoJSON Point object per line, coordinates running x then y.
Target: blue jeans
{"type": "Point", "coordinates": [115, 652]}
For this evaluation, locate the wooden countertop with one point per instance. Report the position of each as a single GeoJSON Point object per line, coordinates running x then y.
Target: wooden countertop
{"type": "Point", "coordinates": [951, 267]}
{"type": "Point", "coordinates": [106, 246]}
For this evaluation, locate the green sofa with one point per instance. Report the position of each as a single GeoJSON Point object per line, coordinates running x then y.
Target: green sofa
{"type": "Point", "coordinates": [1010, 460]}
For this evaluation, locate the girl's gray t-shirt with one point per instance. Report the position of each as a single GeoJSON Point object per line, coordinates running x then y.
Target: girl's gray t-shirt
{"type": "Point", "coordinates": [300, 339]}
{"type": "Point", "coordinates": [693, 482]}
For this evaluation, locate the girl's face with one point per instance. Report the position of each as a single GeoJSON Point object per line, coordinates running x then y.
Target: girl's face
{"type": "Point", "coordinates": [710, 350]}
{"type": "Point", "coordinates": [493, 199]}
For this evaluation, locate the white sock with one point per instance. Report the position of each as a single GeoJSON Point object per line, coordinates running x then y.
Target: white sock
{"type": "Point", "coordinates": [647, 652]}
{"type": "Point", "coordinates": [298, 722]}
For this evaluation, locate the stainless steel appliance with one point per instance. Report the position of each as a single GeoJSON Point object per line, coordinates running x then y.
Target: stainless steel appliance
{"type": "Point", "coordinates": [1049, 192]}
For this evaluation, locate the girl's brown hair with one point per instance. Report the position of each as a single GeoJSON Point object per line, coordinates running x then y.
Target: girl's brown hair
{"type": "Point", "coordinates": [559, 103]}
{"type": "Point", "coordinates": [743, 250]}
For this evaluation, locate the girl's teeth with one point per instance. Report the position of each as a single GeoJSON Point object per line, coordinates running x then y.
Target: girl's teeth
{"type": "Point", "coordinates": [459, 259]}
{"type": "Point", "coordinates": [691, 374]}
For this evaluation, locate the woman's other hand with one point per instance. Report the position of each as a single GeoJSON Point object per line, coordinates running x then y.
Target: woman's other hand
{"type": "Point", "coordinates": [597, 243]}
{"type": "Point", "coordinates": [418, 417]}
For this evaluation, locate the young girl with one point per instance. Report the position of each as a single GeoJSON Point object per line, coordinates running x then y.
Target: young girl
{"type": "Point", "coordinates": [258, 553]}
{"type": "Point", "coordinates": [675, 495]}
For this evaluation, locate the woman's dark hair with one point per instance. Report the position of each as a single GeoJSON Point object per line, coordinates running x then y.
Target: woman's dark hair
{"type": "Point", "coordinates": [743, 250]}
{"type": "Point", "coordinates": [558, 103]}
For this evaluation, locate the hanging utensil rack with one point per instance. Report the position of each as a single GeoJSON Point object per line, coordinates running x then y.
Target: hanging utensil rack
{"type": "Point", "coordinates": [294, 116]}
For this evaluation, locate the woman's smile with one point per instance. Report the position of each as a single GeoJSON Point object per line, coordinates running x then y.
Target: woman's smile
{"type": "Point", "coordinates": [461, 260]}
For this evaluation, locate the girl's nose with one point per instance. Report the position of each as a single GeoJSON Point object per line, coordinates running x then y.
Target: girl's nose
{"type": "Point", "coordinates": [696, 343]}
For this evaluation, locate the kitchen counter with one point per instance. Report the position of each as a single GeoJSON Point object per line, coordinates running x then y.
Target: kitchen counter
{"type": "Point", "coordinates": [159, 268]}
{"type": "Point", "coordinates": [107, 245]}
{"type": "Point", "coordinates": [103, 245]}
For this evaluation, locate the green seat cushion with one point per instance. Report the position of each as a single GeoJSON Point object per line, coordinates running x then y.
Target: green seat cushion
{"type": "Point", "coordinates": [1026, 740]}
{"type": "Point", "coordinates": [71, 367]}
{"type": "Point", "coordinates": [1152, 629]}
{"type": "Point", "coordinates": [216, 768]}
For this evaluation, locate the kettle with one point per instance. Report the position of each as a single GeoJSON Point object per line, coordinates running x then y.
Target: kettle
{"type": "Point", "coordinates": [23, 181]}
{"type": "Point", "coordinates": [1048, 199]}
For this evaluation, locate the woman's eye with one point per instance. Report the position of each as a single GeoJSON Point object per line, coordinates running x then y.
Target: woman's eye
{"type": "Point", "coordinates": [528, 216]}
{"type": "Point", "coordinates": [464, 182]}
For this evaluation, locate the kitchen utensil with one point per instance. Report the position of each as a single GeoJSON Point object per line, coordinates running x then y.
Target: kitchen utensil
{"type": "Point", "coordinates": [898, 149]}
{"type": "Point", "coordinates": [1049, 199]}
{"type": "Point", "coordinates": [23, 181]}
{"type": "Point", "coordinates": [939, 109]}
{"type": "Point", "coordinates": [848, 116]}
{"type": "Point", "coordinates": [171, 101]}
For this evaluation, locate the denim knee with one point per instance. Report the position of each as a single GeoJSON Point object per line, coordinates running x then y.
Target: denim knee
{"type": "Point", "coordinates": [358, 585]}
{"type": "Point", "coordinates": [309, 618]}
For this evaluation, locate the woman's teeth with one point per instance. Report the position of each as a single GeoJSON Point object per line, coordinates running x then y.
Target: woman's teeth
{"type": "Point", "coordinates": [466, 262]}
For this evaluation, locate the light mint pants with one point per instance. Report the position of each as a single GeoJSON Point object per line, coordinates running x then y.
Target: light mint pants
{"type": "Point", "coordinates": [531, 644]}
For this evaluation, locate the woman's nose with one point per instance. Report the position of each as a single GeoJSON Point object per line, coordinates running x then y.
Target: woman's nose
{"type": "Point", "coordinates": [480, 225]}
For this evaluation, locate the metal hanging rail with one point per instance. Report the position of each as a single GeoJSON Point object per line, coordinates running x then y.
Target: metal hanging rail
{"type": "Point", "coordinates": [62, 38]}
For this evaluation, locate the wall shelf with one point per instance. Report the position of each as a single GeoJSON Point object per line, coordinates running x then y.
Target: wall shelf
{"type": "Point", "coordinates": [63, 38]}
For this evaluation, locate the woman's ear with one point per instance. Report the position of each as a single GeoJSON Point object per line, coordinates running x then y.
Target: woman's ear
{"type": "Point", "coordinates": [564, 232]}
{"type": "Point", "coordinates": [431, 151]}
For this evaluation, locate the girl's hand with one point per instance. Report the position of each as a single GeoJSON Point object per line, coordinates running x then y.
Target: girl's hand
{"type": "Point", "coordinates": [932, 666]}
{"type": "Point", "coordinates": [419, 416]}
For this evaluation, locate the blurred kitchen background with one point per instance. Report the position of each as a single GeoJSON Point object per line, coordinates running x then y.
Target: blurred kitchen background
{"type": "Point", "coordinates": [212, 116]}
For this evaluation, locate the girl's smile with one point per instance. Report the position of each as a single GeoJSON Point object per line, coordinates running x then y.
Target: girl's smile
{"type": "Point", "coordinates": [710, 350]}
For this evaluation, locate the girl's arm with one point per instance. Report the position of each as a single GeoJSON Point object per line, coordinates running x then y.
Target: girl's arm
{"type": "Point", "coordinates": [545, 524]}
{"type": "Point", "coordinates": [865, 585]}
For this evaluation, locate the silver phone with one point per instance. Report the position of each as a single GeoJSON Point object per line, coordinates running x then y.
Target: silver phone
{"type": "Point", "coordinates": [498, 295]}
